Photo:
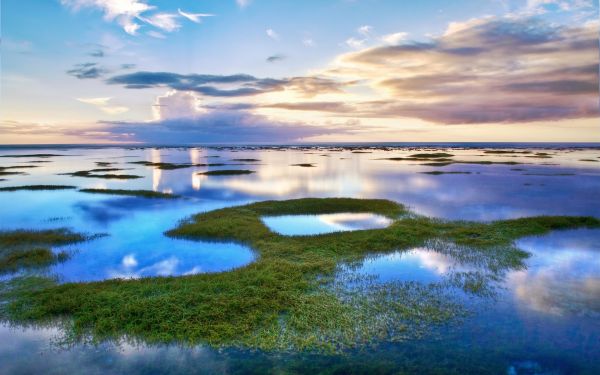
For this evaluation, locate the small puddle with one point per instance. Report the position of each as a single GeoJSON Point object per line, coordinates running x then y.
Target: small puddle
{"type": "Point", "coordinates": [299, 225]}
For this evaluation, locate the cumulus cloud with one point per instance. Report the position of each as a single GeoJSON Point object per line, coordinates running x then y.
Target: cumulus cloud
{"type": "Point", "coordinates": [181, 118]}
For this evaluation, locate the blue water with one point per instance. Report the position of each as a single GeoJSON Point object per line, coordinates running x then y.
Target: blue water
{"type": "Point", "coordinates": [543, 319]}
{"type": "Point", "coordinates": [296, 225]}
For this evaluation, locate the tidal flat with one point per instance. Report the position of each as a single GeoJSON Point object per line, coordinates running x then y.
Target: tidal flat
{"type": "Point", "coordinates": [391, 264]}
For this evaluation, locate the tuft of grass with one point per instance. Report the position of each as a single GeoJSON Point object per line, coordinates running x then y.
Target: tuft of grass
{"type": "Point", "coordinates": [226, 172]}
{"type": "Point", "coordinates": [285, 300]}
{"type": "Point", "coordinates": [37, 187]}
{"type": "Point", "coordinates": [305, 165]}
{"type": "Point", "coordinates": [593, 160]}
{"type": "Point", "coordinates": [135, 193]}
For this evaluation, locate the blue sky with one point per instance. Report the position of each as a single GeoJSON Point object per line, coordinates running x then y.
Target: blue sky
{"type": "Point", "coordinates": [329, 68]}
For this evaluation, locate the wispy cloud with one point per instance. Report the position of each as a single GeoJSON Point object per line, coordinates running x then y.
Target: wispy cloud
{"type": "Point", "coordinates": [87, 71]}
{"type": "Point", "coordinates": [104, 105]}
{"type": "Point", "coordinates": [275, 58]}
{"type": "Point", "coordinates": [236, 85]}
{"type": "Point", "coordinates": [132, 14]}
{"type": "Point", "coordinates": [194, 17]}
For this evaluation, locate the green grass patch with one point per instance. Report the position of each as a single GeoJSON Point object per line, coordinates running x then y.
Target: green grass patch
{"type": "Point", "coordinates": [134, 193]}
{"type": "Point", "coordinates": [37, 187]}
{"type": "Point", "coordinates": [226, 172]}
{"type": "Point", "coordinates": [289, 298]}
{"type": "Point", "coordinates": [28, 249]}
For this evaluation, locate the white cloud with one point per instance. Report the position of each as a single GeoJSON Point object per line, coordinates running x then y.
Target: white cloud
{"type": "Point", "coordinates": [272, 34]}
{"type": "Point", "coordinates": [177, 104]}
{"type": "Point", "coordinates": [104, 105]}
{"type": "Point", "coordinates": [123, 11]}
{"type": "Point", "coordinates": [194, 17]}
{"type": "Point", "coordinates": [355, 43]}
{"type": "Point", "coordinates": [365, 30]}
{"type": "Point", "coordinates": [394, 38]}
{"type": "Point", "coordinates": [164, 21]}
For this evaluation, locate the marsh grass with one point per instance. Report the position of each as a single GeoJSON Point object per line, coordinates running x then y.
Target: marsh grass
{"type": "Point", "coordinates": [226, 172]}
{"type": "Point", "coordinates": [287, 299]}
{"type": "Point", "coordinates": [134, 193]}
{"type": "Point", "coordinates": [31, 249]}
{"type": "Point", "coordinates": [37, 187]}
{"type": "Point", "coordinates": [93, 173]}
{"type": "Point", "coordinates": [304, 165]}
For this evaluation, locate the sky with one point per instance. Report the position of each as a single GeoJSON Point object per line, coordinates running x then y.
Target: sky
{"type": "Point", "coordinates": [286, 71]}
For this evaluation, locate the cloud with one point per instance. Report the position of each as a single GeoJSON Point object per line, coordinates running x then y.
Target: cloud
{"type": "Point", "coordinates": [394, 38]}
{"type": "Point", "coordinates": [272, 34]}
{"type": "Point", "coordinates": [104, 105]}
{"type": "Point", "coordinates": [123, 11]}
{"type": "Point", "coordinates": [87, 71]}
{"type": "Point", "coordinates": [275, 58]}
{"type": "Point", "coordinates": [365, 30]}
{"type": "Point", "coordinates": [156, 34]}
{"type": "Point", "coordinates": [510, 69]}
{"type": "Point", "coordinates": [194, 17]}
{"type": "Point", "coordinates": [164, 21]}
{"type": "Point", "coordinates": [97, 53]}
{"type": "Point", "coordinates": [132, 14]}
{"type": "Point", "coordinates": [355, 43]}
{"type": "Point", "coordinates": [236, 85]}
{"type": "Point", "coordinates": [180, 118]}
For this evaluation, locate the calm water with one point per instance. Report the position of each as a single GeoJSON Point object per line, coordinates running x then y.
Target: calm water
{"type": "Point", "coordinates": [544, 319]}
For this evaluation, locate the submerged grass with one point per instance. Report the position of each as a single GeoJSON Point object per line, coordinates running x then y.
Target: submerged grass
{"type": "Point", "coordinates": [285, 300]}
{"type": "Point", "coordinates": [37, 187]}
{"type": "Point", "coordinates": [135, 193]}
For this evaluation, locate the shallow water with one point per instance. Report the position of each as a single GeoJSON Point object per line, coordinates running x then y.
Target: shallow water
{"type": "Point", "coordinates": [296, 225]}
{"type": "Point", "coordinates": [545, 318]}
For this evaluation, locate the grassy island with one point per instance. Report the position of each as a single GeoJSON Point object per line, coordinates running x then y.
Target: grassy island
{"type": "Point", "coordinates": [291, 297]}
